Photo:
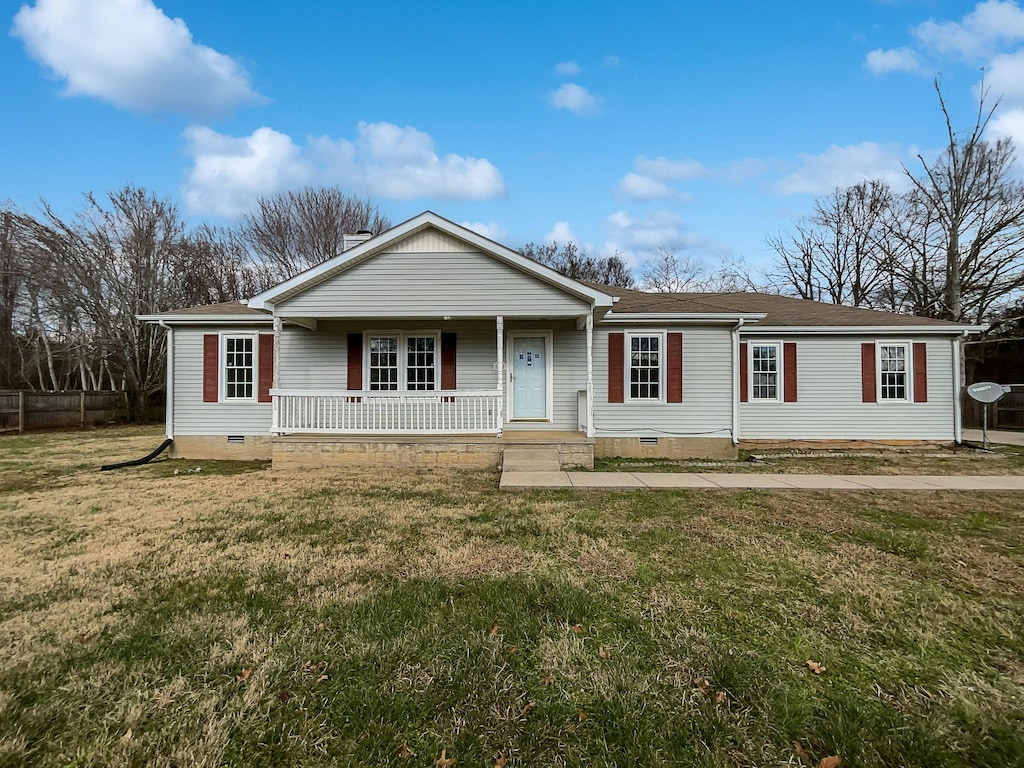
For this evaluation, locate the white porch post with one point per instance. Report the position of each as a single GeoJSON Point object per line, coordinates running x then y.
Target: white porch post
{"type": "Point", "coordinates": [499, 419]}
{"type": "Point", "coordinates": [590, 374]}
{"type": "Point", "coordinates": [276, 381]}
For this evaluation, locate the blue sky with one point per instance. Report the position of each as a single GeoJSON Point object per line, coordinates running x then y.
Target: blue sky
{"type": "Point", "coordinates": [624, 126]}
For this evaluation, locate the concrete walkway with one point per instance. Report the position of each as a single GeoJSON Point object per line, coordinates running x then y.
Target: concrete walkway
{"type": "Point", "coordinates": [671, 480]}
{"type": "Point", "coordinates": [1004, 437]}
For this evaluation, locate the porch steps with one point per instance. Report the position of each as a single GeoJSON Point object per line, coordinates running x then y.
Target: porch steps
{"type": "Point", "coordinates": [531, 458]}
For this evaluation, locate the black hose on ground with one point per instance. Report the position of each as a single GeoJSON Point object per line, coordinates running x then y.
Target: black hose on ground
{"type": "Point", "coordinates": [136, 462]}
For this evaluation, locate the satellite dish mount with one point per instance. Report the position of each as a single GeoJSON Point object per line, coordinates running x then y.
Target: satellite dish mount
{"type": "Point", "coordinates": [986, 392]}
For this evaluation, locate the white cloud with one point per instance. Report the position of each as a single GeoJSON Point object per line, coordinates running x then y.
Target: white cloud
{"type": "Point", "coordinates": [670, 170]}
{"type": "Point", "coordinates": [1005, 76]}
{"type": "Point", "coordinates": [636, 186]}
{"type": "Point", "coordinates": [561, 233]}
{"type": "Point", "coordinates": [574, 98]}
{"type": "Point", "coordinates": [128, 53]}
{"type": "Point", "coordinates": [979, 33]}
{"type": "Point", "coordinates": [568, 68]}
{"type": "Point", "coordinates": [882, 62]}
{"type": "Point", "coordinates": [1009, 123]}
{"type": "Point", "coordinates": [843, 167]}
{"type": "Point", "coordinates": [491, 230]}
{"type": "Point", "coordinates": [383, 161]}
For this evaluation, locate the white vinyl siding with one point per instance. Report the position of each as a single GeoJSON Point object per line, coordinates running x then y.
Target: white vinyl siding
{"type": "Point", "coordinates": [406, 284]}
{"type": "Point", "coordinates": [194, 417]}
{"type": "Point", "coordinates": [830, 403]}
{"type": "Point", "coordinates": [706, 410]}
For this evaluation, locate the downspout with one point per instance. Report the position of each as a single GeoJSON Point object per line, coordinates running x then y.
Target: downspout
{"type": "Point", "coordinates": [957, 389]}
{"type": "Point", "coordinates": [169, 406]}
{"type": "Point", "coordinates": [736, 381]}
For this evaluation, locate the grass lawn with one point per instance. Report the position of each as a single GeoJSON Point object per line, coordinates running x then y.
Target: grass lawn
{"type": "Point", "coordinates": [238, 616]}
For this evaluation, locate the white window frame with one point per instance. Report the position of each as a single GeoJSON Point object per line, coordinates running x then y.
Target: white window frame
{"type": "Point", "coordinates": [779, 368]}
{"type": "Point", "coordinates": [908, 359]}
{"type": "Point", "coordinates": [403, 358]}
{"type": "Point", "coordinates": [627, 365]}
{"type": "Point", "coordinates": [222, 373]}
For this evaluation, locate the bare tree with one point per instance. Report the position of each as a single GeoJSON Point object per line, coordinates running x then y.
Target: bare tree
{"type": "Point", "coordinates": [292, 231]}
{"type": "Point", "coordinates": [671, 271]}
{"type": "Point", "coordinates": [572, 261]}
{"type": "Point", "coordinates": [833, 254]}
{"type": "Point", "coordinates": [978, 211]}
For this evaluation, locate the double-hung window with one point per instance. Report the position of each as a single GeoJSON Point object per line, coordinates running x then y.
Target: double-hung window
{"type": "Point", "coordinates": [764, 372]}
{"type": "Point", "coordinates": [892, 371]}
{"type": "Point", "coordinates": [645, 375]}
{"type": "Point", "coordinates": [402, 362]}
{"type": "Point", "coordinates": [239, 367]}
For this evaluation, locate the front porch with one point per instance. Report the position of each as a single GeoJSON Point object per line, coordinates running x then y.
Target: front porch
{"type": "Point", "coordinates": [311, 451]}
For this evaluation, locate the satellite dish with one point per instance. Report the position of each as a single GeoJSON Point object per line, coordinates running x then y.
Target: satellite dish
{"type": "Point", "coordinates": [986, 391]}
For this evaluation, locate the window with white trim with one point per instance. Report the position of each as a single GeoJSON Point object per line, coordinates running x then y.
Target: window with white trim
{"type": "Point", "coordinates": [421, 365]}
{"type": "Point", "coordinates": [764, 372]}
{"type": "Point", "coordinates": [383, 363]}
{"type": "Point", "coordinates": [386, 371]}
{"type": "Point", "coordinates": [239, 367]}
{"type": "Point", "coordinates": [645, 366]}
{"type": "Point", "coordinates": [892, 371]}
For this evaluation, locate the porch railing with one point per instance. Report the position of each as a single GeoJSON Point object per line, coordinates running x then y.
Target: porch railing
{"type": "Point", "coordinates": [352, 412]}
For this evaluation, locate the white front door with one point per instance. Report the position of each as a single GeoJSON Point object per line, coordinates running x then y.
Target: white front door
{"type": "Point", "coordinates": [529, 377]}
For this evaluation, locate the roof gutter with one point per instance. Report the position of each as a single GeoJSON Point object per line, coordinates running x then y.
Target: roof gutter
{"type": "Point", "coordinates": [683, 317]}
{"type": "Point", "coordinates": [165, 320]}
{"type": "Point", "coordinates": [860, 330]}
{"type": "Point", "coordinates": [736, 381]}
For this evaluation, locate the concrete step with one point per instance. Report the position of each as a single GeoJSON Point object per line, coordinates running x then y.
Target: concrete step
{"type": "Point", "coordinates": [530, 459]}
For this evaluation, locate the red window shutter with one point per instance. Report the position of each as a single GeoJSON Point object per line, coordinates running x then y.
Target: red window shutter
{"type": "Point", "coordinates": [211, 368]}
{"type": "Point", "coordinates": [868, 379]}
{"type": "Point", "coordinates": [674, 388]}
{"type": "Point", "coordinates": [744, 374]}
{"type": "Point", "coordinates": [920, 372]}
{"type": "Point", "coordinates": [266, 375]}
{"type": "Point", "coordinates": [789, 372]}
{"type": "Point", "coordinates": [355, 361]}
{"type": "Point", "coordinates": [616, 366]}
{"type": "Point", "coordinates": [448, 375]}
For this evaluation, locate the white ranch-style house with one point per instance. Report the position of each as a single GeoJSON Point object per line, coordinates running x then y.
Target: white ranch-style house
{"type": "Point", "coordinates": [430, 343]}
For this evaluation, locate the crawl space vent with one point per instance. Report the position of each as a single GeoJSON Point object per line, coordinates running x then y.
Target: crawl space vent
{"type": "Point", "coordinates": [236, 438]}
{"type": "Point", "coordinates": [648, 441]}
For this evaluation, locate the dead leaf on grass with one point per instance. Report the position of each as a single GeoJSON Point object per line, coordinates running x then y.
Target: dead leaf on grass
{"type": "Point", "coordinates": [832, 761]}
{"type": "Point", "coordinates": [603, 652]}
{"type": "Point", "coordinates": [721, 698]}
{"type": "Point", "coordinates": [244, 674]}
{"type": "Point", "coordinates": [582, 715]}
{"type": "Point", "coordinates": [577, 628]}
{"type": "Point", "coordinates": [494, 629]}
{"type": "Point", "coordinates": [444, 761]}
{"type": "Point", "coordinates": [528, 709]}
{"type": "Point", "coordinates": [815, 667]}
{"type": "Point", "coordinates": [127, 735]}
{"type": "Point", "coordinates": [500, 762]}
{"type": "Point", "coordinates": [702, 683]}
{"type": "Point", "coordinates": [284, 696]}
{"type": "Point", "coordinates": [548, 680]}
{"type": "Point", "coordinates": [511, 651]}
{"type": "Point", "coordinates": [404, 752]}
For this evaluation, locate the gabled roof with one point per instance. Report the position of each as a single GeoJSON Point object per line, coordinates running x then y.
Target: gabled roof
{"type": "Point", "coordinates": [783, 312]}
{"type": "Point", "coordinates": [380, 243]}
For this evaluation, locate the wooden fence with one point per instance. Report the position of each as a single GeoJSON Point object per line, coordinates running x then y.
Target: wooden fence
{"type": "Point", "coordinates": [25, 410]}
{"type": "Point", "coordinates": [1007, 413]}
